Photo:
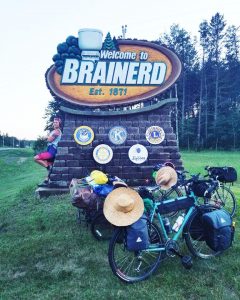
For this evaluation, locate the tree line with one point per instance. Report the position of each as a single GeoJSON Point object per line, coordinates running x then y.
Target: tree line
{"type": "Point", "coordinates": [208, 109]}
{"type": "Point", "coordinates": [12, 141]}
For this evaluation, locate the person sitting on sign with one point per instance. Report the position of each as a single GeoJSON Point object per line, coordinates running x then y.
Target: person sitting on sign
{"type": "Point", "coordinates": [46, 158]}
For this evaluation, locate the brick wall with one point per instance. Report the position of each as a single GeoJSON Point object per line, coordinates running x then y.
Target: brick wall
{"type": "Point", "coordinates": [76, 161]}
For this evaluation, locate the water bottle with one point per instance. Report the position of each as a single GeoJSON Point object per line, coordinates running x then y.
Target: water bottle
{"type": "Point", "coordinates": [178, 223]}
{"type": "Point", "coordinates": [167, 225]}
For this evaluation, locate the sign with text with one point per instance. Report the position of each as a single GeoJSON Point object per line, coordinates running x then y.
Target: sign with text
{"type": "Point", "coordinates": [89, 72]}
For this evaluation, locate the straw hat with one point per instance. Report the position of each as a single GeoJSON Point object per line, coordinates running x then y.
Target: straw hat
{"type": "Point", "coordinates": [166, 177]}
{"type": "Point", "coordinates": [123, 206]}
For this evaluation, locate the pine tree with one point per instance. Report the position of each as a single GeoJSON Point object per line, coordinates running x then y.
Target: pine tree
{"type": "Point", "coordinates": [180, 41]}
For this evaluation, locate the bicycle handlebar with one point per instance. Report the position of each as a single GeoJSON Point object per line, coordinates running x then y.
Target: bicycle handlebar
{"type": "Point", "coordinates": [209, 191]}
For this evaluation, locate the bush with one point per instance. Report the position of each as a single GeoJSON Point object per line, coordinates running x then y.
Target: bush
{"type": "Point", "coordinates": [39, 145]}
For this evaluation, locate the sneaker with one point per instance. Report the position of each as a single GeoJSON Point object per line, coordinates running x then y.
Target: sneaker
{"type": "Point", "coordinates": [44, 183]}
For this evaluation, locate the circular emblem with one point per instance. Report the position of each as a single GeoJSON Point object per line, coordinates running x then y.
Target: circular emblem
{"type": "Point", "coordinates": [83, 135]}
{"type": "Point", "coordinates": [155, 135]}
{"type": "Point", "coordinates": [117, 135]}
{"type": "Point", "coordinates": [102, 154]}
{"type": "Point", "coordinates": [138, 154]}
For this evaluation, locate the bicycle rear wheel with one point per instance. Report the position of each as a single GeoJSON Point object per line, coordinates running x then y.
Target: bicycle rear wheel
{"type": "Point", "coordinates": [133, 266]}
{"type": "Point", "coordinates": [224, 198]}
{"type": "Point", "coordinates": [101, 229]}
{"type": "Point", "coordinates": [194, 234]}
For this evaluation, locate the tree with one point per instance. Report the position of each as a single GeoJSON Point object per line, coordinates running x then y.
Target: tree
{"type": "Point", "coordinates": [203, 97]}
{"type": "Point", "coordinates": [52, 110]}
{"type": "Point", "coordinates": [39, 145]}
{"type": "Point", "coordinates": [216, 35]}
{"type": "Point", "coordinates": [180, 41]}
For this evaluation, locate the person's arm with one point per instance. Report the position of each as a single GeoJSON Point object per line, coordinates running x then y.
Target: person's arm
{"type": "Point", "coordinates": [54, 134]}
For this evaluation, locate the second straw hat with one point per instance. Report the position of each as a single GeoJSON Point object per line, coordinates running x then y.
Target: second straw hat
{"type": "Point", "coordinates": [123, 206]}
{"type": "Point", "coordinates": [166, 177]}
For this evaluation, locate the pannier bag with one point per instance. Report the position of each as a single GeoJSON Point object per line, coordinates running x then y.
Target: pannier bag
{"type": "Point", "coordinates": [82, 195]}
{"type": "Point", "coordinates": [218, 229]}
{"type": "Point", "coordinates": [199, 188]}
{"type": "Point", "coordinates": [224, 174]}
{"type": "Point", "coordinates": [137, 235]}
{"type": "Point", "coordinates": [172, 205]}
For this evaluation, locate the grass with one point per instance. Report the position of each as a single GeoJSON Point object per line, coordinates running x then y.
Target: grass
{"type": "Point", "coordinates": [45, 254]}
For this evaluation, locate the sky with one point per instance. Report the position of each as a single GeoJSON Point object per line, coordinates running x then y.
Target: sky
{"type": "Point", "coordinates": [30, 31]}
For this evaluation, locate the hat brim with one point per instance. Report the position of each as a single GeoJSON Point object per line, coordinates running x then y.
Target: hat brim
{"type": "Point", "coordinates": [119, 218]}
{"type": "Point", "coordinates": [118, 184]}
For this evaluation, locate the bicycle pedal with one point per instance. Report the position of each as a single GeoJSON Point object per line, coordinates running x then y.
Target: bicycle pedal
{"type": "Point", "coordinates": [187, 262]}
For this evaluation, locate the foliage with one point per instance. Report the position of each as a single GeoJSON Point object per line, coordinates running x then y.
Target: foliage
{"type": "Point", "coordinates": [209, 87]}
{"type": "Point", "coordinates": [40, 144]}
{"type": "Point", "coordinates": [52, 111]}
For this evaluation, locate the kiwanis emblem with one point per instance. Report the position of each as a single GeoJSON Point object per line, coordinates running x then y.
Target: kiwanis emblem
{"type": "Point", "coordinates": [155, 135]}
{"type": "Point", "coordinates": [83, 135]}
{"type": "Point", "coordinates": [117, 135]}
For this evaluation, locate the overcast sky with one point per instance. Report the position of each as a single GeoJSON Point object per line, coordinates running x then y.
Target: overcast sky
{"type": "Point", "coordinates": [31, 30]}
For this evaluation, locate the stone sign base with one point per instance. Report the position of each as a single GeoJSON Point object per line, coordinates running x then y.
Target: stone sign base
{"type": "Point", "coordinates": [76, 161]}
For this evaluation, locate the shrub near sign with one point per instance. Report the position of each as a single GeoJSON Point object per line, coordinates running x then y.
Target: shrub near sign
{"type": "Point", "coordinates": [125, 72]}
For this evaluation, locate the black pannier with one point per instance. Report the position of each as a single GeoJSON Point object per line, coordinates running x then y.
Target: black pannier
{"type": "Point", "coordinates": [223, 174]}
{"type": "Point", "coordinates": [218, 229]}
{"type": "Point", "coordinates": [137, 235]}
{"type": "Point", "coordinates": [199, 188]}
{"type": "Point", "coordinates": [172, 205]}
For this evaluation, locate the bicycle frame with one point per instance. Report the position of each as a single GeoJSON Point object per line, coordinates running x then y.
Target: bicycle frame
{"type": "Point", "coordinates": [162, 227]}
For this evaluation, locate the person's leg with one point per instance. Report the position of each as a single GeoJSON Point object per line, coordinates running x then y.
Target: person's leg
{"type": "Point", "coordinates": [42, 159]}
{"type": "Point", "coordinates": [41, 162]}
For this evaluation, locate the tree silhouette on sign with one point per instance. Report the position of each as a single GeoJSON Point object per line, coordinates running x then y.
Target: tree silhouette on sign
{"type": "Point", "coordinates": [108, 43]}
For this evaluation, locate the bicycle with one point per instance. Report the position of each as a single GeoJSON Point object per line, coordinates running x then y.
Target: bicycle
{"type": "Point", "coordinates": [133, 266]}
{"type": "Point", "coordinates": [223, 196]}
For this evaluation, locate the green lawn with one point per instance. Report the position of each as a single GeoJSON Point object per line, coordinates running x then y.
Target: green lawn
{"type": "Point", "coordinates": [45, 254]}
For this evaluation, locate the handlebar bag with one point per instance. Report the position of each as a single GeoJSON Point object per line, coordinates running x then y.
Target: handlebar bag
{"type": "Point", "coordinates": [137, 235]}
{"type": "Point", "coordinates": [199, 188]}
{"type": "Point", "coordinates": [224, 174]}
{"type": "Point", "coordinates": [218, 229]}
{"type": "Point", "coordinates": [171, 205]}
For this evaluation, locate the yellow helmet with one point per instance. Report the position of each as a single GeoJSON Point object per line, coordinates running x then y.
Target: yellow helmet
{"type": "Point", "coordinates": [99, 177]}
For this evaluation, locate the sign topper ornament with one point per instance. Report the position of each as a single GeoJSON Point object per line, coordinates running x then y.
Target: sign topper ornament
{"type": "Point", "coordinates": [83, 135]}
{"type": "Point", "coordinates": [155, 135]}
{"type": "Point", "coordinates": [138, 154]}
{"type": "Point", "coordinates": [90, 72]}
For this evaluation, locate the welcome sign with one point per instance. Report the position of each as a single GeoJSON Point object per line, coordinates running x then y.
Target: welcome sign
{"type": "Point", "coordinates": [90, 72]}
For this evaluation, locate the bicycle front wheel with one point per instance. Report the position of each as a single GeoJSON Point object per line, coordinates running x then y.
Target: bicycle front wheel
{"type": "Point", "coordinates": [133, 266]}
{"type": "Point", "coordinates": [224, 198]}
{"type": "Point", "coordinates": [194, 234]}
